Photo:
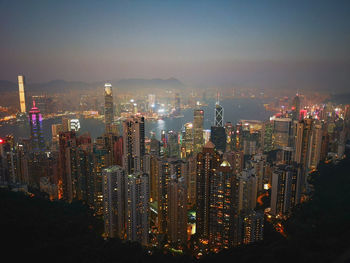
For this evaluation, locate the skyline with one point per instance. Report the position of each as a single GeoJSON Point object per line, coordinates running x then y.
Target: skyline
{"type": "Point", "coordinates": [270, 44]}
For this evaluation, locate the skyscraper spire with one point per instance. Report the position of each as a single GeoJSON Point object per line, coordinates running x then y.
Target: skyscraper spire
{"type": "Point", "coordinates": [22, 94]}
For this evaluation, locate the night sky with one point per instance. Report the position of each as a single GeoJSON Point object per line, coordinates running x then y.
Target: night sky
{"type": "Point", "coordinates": [301, 44]}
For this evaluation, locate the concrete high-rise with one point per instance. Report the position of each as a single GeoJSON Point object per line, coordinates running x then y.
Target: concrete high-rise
{"type": "Point", "coordinates": [22, 94]}
{"type": "Point", "coordinates": [282, 129]}
{"type": "Point", "coordinates": [286, 189]}
{"type": "Point", "coordinates": [133, 144]}
{"type": "Point", "coordinates": [137, 207]}
{"type": "Point", "coordinates": [177, 210]}
{"type": "Point", "coordinates": [114, 201]}
{"type": "Point", "coordinates": [198, 140]}
{"type": "Point", "coordinates": [207, 162]}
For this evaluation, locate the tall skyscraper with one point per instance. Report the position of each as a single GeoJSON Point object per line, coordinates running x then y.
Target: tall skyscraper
{"type": "Point", "coordinates": [207, 162]}
{"type": "Point", "coordinates": [221, 210]}
{"type": "Point", "coordinates": [218, 137]}
{"type": "Point", "coordinates": [198, 139]}
{"type": "Point", "coordinates": [219, 114]}
{"type": "Point", "coordinates": [296, 108]}
{"type": "Point", "coordinates": [187, 140]}
{"type": "Point", "coordinates": [137, 208]}
{"type": "Point", "coordinates": [286, 189]}
{"type": "Point", "coordinates": [22, 94]}
{"type": "Point", "coordinates": [36, 129]}
{"type": "Point", "coordinates": [114, 201]}
{"type": "Point", "coordinates": [282, 130]}
{"type": "Point", "coordinates": [109, 110]}
{"type": "Point", "coordinates": [177, 210]}
{"type": "Point", "coordinates": [133, 144]}
{"type": "Point", "coordinates": [218, 133]}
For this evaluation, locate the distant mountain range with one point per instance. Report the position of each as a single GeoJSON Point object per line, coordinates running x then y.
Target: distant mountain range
{"type": "Point", "coordinates": [57, 86]}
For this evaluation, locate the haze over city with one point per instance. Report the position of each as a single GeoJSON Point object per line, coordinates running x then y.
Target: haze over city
{"type": "Point", "coordinates": [203, 43]}
{"type": "Point", "coordinates": [175, 131]}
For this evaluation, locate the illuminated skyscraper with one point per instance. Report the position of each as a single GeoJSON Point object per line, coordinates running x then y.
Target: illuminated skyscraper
{"type": "Point", "coordinates": [219, 114]}
{"type": "Point", "coordinates": [109, 111]}
{"type": "Point", "coordinates": [282, 128]}
{"type": "Point", "coordinates": [36, 129]}
{"type": "Point", "coordinates": [218, 137]}
{"type": "Point", "coordinates": [187, 140]}
{"type": "Point", "coordinates": [285, 190]}
{"type": "Point", "coordinates": [22, 94]}
{"type": "Point", "coordinates": [198, 139]}
{"type": "Point", "coordinates": [296, 108]}
{"type": "Point", "coordinates": [134, 144]}
{"type": "Point", "coordinates": [218, 133]}
{"type": "Point", "coordinates": [221, 207]}
{"type": "Point", "coordinates": [177, 210]}
{"type": "Point", "coordinates": [114, 201]}
{"type": "Point", "coordinates": [137, 207]}
{"type": "Point", "coordinates": [207, 162]}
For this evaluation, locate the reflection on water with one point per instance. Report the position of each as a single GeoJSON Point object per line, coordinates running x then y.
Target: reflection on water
{"type": "Point", "coordinates": [234, 110]}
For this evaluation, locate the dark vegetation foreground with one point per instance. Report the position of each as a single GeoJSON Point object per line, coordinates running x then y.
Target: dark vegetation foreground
{"type": "Point", "coordinates": [34, 229]}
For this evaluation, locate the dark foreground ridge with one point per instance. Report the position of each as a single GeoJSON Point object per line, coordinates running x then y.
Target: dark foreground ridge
{"type": "Point", "coordinates": [48, 231]}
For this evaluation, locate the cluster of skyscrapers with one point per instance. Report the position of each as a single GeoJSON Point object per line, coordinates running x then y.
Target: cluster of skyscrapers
{"type": "Point", "coordinates": [147, 190]}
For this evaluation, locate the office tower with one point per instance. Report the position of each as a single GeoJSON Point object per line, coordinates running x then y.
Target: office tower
{"type": "Point", "coordinates": [266, 136]}
{"type": "Point", "coordinates": [296, 108]}
{"type": "Point", "coordinates": [22, 93]}
{"type": "Point", "coordinates": [109, 110]}
{"type": "Point", "coordinates": [168, 167]}
{"type": "Point", "coordinates": [137, 207]}
{"type": "Point", "coordinates": [75, 169]}
{"type": "Point", "coordinates": [207, 162]}
{"type": "Point", "coordinates": [177, 210]}
{"type": "Point", "coordinates": [302, 145]}
{"type": "Point", "coordinates": [221, 207]}
{"type": "Point", "coordinates": [253, 227]}
{"type": "Point", "coordinates": [285, 190]}
{"type": "Point", "coordinates": [36, 129]}
{"type": "Point", "coordinates": [100, 161]}
{"type": "Point", "coordinates": [118, 151]}
{"type": "Point", "coordinates": [218, 138]}
{"type": "Point", "coordinates": [154, 146]}
{"type": "Point", "coordinates": [67, 165]}
{"type": "Point", "coordinates": [315, 146]}
{"type": "Point", "coordinates": [282, 131]}
{"type": "Point", "coordinates": [133, 144]}
{"type": "Point", "coordinates": [191, 181]}
{"type": "Point", "coordinates": [173, 149]}
{"type": "Point", "coordinates": [187, 140]}
{"type": "Point", "coordinates": [198, 141]}
{"type": "Point", "coordinates": [248, 187]}
{"type": "Point", "coordinates": [155, 169]}
{"type": "Point", "coordinates": [219, 114]}
{"type": "Point", "coordinates": [258, 163]}
{"type": "Point", "coordinates": [114, 201]}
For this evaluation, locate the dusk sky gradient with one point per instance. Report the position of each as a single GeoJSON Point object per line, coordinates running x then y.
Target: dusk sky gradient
{"type": "Point", "coordinates": [252, 43]}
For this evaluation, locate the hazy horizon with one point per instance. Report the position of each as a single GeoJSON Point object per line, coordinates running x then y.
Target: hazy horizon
{"type": "Point", "coordinates": [292, 45]}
